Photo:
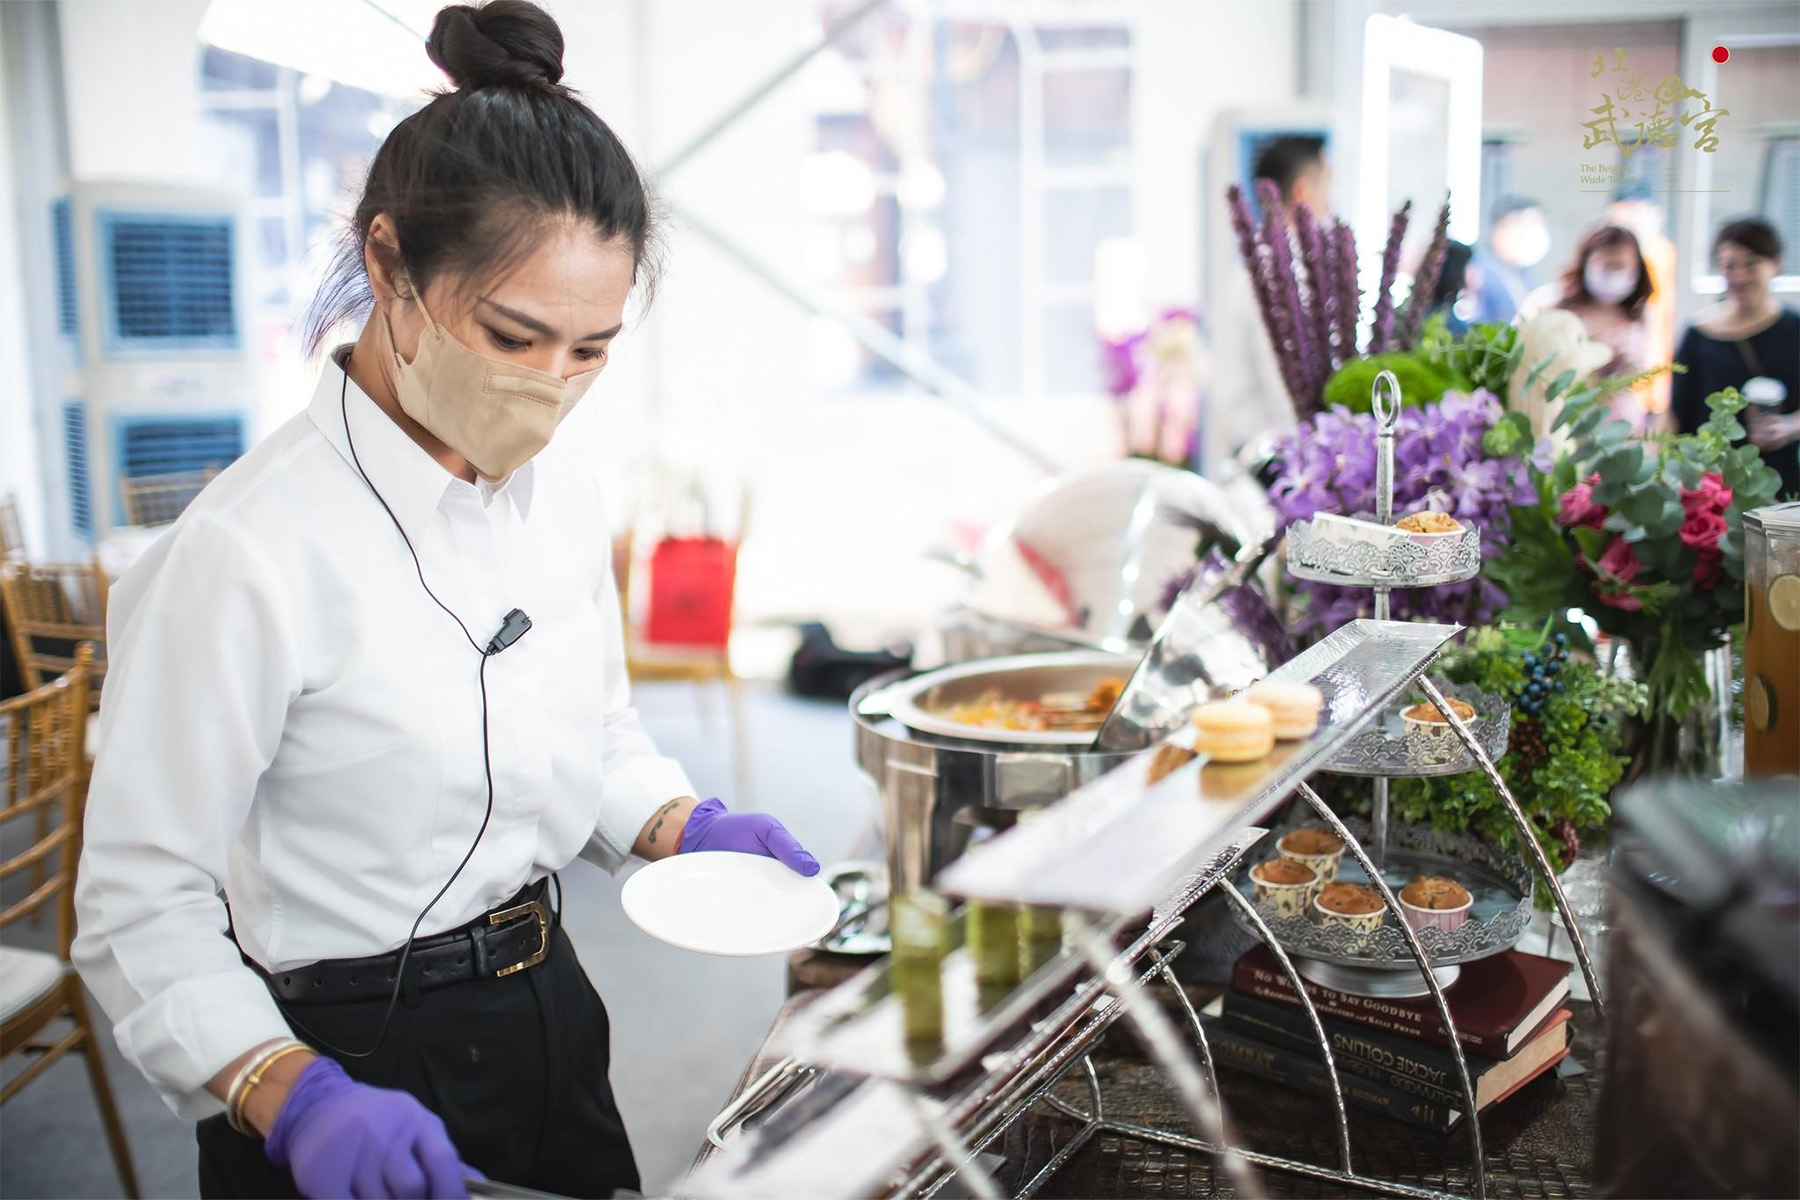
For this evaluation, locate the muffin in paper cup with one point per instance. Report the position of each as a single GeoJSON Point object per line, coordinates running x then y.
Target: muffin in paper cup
{"type": "Point", "coordinates": [1289, 887]}
{"type": "Point", "coordinates": [1355, 906]}
{"type": "Point", "coordinates": [1430, 742]}
{"type": "Point", "coordinates": [1319, 849]}
{"type": "Point", "coordinates": [1435, 902]}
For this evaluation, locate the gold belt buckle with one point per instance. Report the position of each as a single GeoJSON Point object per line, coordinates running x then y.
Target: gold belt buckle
{"type": "Point", "coordinates": [536, 909]}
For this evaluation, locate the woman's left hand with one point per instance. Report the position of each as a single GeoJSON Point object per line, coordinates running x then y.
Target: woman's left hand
{"type": "Point", "coordinates": [1772, 431]}
{"type": "Point", "coordinates": [710, 827]}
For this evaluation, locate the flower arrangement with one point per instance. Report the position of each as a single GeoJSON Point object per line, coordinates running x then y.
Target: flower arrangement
{"type": "Point", "coordinates": [1156, 377]}
{"type": "Point", "coordinates": [1644, 535]}
{"type": "Point", "coordinates": [1565, 753]}
{"type": "Point", "coordinates": [1305, 282]}
{"type": "Point", "coordinates": [1442, 461]}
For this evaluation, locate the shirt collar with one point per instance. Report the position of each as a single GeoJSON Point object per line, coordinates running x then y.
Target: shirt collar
{"type": "Point", "coordinates": [411, 482]}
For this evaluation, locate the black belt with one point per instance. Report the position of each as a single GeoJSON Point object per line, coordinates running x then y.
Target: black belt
{"type": "Point", "coordinates": [498, 943]}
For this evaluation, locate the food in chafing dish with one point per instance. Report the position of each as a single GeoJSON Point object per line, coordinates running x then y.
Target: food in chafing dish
{"type": "Point", "coordinates": [1234, 731]}
{"type": "Point", "coordinates": [1168, 759]}
{"type": "Point", "coordinates": [1352, 905]}
{"type": "Point", "coordinates": [1429, 522]}
{"type": "Point", "coordinates": [1435, 902]}
{"type": "Point", "coordinates": [1054, 711]}
{"type": "Point", "coordinates": [1285, 884]}
{"type": "Point", "coordinates": [1295, 707]}
{"type": "Point", "coordinates": [1319, 849]}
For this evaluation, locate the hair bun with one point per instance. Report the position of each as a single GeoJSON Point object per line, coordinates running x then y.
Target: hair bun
{"type": "Point", "coordinates": [505, 42]}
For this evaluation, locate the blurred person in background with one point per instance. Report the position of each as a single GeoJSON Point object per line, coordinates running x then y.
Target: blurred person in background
{"type": "Point", "coordinates": [1452, 296]}
{"type": "Point", "coordinates": [1749, 341]}
{"type": "Point", "coordinates": [1646, 220]}
{"type": "Point", "coordinates": [1500, 271]}
{"type": "Point", "coordinates": [1248, 401]}
{"type": "Point", "coordinates": [1607, 285]}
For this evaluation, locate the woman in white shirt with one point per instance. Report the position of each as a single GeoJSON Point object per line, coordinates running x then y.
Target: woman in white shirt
{"type": "Point", "coordinates": [371, 689]}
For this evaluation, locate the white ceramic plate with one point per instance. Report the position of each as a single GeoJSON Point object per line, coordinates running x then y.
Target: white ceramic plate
{"type": "Point", "coordinates": [723, 902]}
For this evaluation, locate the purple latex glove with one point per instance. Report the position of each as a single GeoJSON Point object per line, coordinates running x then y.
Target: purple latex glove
{"type": "Point", "coordinates": [343, 1138]}
{"type": "Point", "coordinates": [710, 827]}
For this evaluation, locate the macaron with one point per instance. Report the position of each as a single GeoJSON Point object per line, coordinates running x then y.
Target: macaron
{"type": "Point", "coordinates": [1295, 707]}
{"type": "Point", "coordinates": [1234, 731]}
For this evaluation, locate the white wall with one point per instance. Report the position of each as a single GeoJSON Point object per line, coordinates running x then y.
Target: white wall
{"type": "Point", "coordinates": [19, 473]}
{"type": "Point", "coordinates": [132, 72]}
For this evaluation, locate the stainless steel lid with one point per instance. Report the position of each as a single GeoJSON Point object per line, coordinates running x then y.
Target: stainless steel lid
{"type": "Point", "coordinates": [1116, 536]}
{"type": "Point", "coordinates": [1775, 518]}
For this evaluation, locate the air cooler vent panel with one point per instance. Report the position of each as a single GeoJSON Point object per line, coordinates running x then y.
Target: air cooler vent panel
{"type": "Point", "coordinates": [165, 445]}
{"type": "Point", "coordinates": [170, 282]}
{"type": "Point", "coordinates": [63, 229]}
{"type": "Point", "coordinates": [75, 458]}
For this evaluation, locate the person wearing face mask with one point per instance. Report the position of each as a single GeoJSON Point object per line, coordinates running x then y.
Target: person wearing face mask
{"type": "Point", "coordinates": [1607, 286]}
{"type": "Point", "coordinates": [1749, 341]}
{"type": "Point", "coordinates": [368, 695]}
{"type": "Point", "coordinates": [1500, 271]}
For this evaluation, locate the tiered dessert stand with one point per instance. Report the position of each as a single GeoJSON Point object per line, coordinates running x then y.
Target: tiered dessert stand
{"type": "Point", "coordinates": [850, 1111]}
{"type": "Point", "coordinates": [1379, 558]}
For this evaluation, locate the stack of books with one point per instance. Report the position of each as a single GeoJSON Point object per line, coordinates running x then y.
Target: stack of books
{"type": "Point", "coordinates": [1393, 1056]}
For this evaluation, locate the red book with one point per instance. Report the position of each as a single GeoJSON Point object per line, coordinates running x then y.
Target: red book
{"type": "Point", "coordinates": [1497, 1003]}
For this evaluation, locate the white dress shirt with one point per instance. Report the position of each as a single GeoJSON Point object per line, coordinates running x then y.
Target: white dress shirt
{"type": "Point", "coordinates": [290, 719]}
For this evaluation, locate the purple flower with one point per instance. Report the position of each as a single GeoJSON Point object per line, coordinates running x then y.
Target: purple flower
{"type": "Point", "coordinates": [1384, 293]}
{"type": "Point", "coordinates": [1328, 465]}
{"type": "Point", "coordinates": [1121, 360]}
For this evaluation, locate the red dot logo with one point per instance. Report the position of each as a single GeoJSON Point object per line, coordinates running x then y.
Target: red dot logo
{"type": "Point", "coordinates": [1720, 54]}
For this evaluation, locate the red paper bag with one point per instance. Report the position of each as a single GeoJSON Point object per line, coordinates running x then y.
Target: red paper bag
{"type": "Point", "coordinates": [691, 581]}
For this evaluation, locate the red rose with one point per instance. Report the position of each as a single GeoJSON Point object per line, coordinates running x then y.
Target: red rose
{"type": "Point", "coordinates": [1577, 507]}
{"type": "Point", "coordinates": [1702, 530]}
{"type": "Point", "coordinates": [1620, 562]}
{"type": "Point", "coordinates": [1709, 571]}
{"type": "Point", "coordinates": [1711, 494]}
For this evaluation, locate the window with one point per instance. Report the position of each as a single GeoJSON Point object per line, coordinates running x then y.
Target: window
{"type": "Point", "coordinates": [298, 145]}
{"type": "Point", "coordinates": [964, 174]}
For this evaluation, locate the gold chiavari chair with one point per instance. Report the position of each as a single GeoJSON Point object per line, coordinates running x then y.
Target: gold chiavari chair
{"type": "Point", "coordinates": [46, 776]}
{"type": "Point", "coordinates": [159, 499]}
{"type": "Point", "coordinates": [52, 609]}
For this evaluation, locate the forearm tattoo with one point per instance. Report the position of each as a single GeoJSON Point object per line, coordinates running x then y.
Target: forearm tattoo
{"type": "Point", "coordinates": [661, 815]}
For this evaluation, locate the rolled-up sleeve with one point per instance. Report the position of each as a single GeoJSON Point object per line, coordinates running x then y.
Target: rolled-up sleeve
{"type": "Point", "coordinates": [636, 779]}
{"type": "Point", "coordinates": [202, 667]}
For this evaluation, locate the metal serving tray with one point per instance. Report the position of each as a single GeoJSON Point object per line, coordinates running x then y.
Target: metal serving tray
{"type": "Point", "coordinates": [858, 1026]}
{"type": "Point", "coordinates": [1118, 844]}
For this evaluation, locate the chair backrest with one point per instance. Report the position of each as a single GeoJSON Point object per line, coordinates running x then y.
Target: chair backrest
{"type": "Point", "coordinates": [12, 533]}
{"type": "Point", "coordinates": [159, 499]}
{"type": "Point", "coordinates": [45, 770]}
{"type": "Point", "coordinates": [53, 609]}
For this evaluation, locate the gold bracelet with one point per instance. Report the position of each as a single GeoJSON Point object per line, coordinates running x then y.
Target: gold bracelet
{"type": "Point", "coordinates": [257, 1071]}
{"type": "Point", "coordinates": [237, 1081]}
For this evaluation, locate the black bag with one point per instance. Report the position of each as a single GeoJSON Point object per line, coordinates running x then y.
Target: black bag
{"type": "Point", "coordinates": [822, 669]}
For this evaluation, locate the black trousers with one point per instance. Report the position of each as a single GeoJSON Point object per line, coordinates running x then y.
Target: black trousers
{"type": "Point", "coordinates": [515, 1067]}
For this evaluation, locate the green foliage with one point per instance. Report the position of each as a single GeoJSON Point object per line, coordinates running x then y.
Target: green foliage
{"type": "Point", "coordinates": [1667, 616]}
{"type": "Point", "coordinates": [1421, 382]}
{"type": "Point", "coordinates": [1568, 780]}
{"type": "Point", "coordinates": [1486, 356]}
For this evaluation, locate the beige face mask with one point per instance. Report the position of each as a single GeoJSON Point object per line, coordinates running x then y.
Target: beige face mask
{"type": "Point", "coordinates": [494, 413]}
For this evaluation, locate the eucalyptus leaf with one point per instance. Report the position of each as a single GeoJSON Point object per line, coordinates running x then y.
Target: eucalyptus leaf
{"type": "Point", "coordinates": [1560, 384]}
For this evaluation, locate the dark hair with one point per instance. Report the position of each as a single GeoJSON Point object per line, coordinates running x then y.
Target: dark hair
{"type": "Point", "coordinates": [1508, 206]}
{"type": "Point", "coordinates": [1753, 234]}
{"type": "Point", "coordinates": [1453, 277]}
{"type": "Point", "coordinates": [1575, 287]}
{"type": "Point", "coordinates": [1283, 160]}
{"type": "Point", "coordinates": [470, 179]}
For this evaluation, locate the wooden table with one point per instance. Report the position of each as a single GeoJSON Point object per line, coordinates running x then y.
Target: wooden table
{"type": "Point", "coordinates": [1539, 1142]}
